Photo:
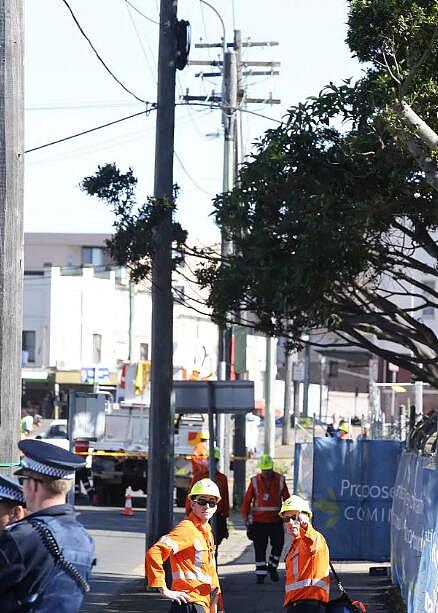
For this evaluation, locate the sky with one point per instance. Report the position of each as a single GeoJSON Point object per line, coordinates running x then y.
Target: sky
{"type": "Point", "coordinates": [67, 91]}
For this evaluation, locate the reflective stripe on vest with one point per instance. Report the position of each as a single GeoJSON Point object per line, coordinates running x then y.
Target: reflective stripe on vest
{"type": "Point", "coordinates": [308, 583]}
{"type": "Point", "coordinates": [281, 483]}
{"type": "Point", "coordinates": [254, 485]}
{"type": "Point", "coordinates": [192, 576]}
{"type": "Point", "coordinates": [170, 543]}
{"type": "Point", "coordinates": [266, 508]}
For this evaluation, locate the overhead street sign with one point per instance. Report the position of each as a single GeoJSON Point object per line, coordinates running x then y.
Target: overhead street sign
{"type": "Point", "coordinates": [215, 396]}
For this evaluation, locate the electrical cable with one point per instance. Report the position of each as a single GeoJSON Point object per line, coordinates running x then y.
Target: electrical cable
{"type": "Point", "coordinates": [146, 57]}
{"type": "Point", "coordinates": [153, 107]}
{"type": "Point", "coordinates": [99, 57]}
{"type": "Point", "coordinates": [105, 125]}
{"type": "Point", "coordinates": [143, 15]}
{"type": "Point", "coordinates": [190, 176]}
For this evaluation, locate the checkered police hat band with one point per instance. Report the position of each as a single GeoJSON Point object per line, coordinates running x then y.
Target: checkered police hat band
{"type": "Point", "coordinates": [10, 494]}
{"type": "Point", "coordinates": [44, 469]}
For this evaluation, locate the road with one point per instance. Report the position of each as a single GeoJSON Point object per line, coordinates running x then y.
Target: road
{"type": "Point", "coordinates": [120, 549]}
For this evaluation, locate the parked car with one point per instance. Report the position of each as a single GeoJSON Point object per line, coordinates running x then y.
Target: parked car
{"type": "Point", "coordinates": [56, 434]}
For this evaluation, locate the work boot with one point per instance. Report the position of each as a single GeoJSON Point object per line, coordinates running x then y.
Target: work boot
{"type": "Point", "coordinates": [260, 578]}
{"type": "Point", "coordinates": [273, 573]}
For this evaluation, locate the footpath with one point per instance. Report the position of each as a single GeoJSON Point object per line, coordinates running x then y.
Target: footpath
{"type": "Point", "coordinates": [236, 572]}
{"type": "Point", "coordinates": [243, 595]}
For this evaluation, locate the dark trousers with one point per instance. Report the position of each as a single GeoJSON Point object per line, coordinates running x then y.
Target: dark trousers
{"type": "Point", "coordinates": [188, 607]}
{"type": "Point", "coordinates": [263, 533]}
{"type": "Point", "coordinates": [306, 606]}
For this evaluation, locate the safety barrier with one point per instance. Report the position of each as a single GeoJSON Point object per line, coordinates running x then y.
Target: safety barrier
{"type": "Point", "coordinates": [350, 484]}
{"type": "Point", "coordinates": [414, 532]}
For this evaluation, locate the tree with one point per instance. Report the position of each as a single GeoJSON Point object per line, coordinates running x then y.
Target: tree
{"type": "Point", "coordinates": [335, 213]}
{"type": "Point", "coordinates": [133, 243]}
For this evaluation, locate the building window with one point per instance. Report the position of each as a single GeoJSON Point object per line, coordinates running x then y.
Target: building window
{"type": "Point", "coordinates": [93, 255]}
{"type": "Point", "coordinates": [144, 351]}
{"type": "Point", "coordinates": [428, 311]}
{"type": "Point", "coordinates": [97, 348]}
{"type": "Point", "coordinates": [28, 346]}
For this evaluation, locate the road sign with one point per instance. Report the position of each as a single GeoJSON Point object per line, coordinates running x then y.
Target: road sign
{"type": "Point", "coordinates": [218, 396]}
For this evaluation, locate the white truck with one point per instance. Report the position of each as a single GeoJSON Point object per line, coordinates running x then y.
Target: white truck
{"type": "Point", "coordinates": [119, 458]}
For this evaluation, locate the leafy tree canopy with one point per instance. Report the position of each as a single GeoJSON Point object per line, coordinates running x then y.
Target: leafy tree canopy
{"type": "Point", "coordinates": [334, 216]}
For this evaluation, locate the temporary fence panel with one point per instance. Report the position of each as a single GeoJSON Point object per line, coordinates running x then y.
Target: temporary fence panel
{"type": "Point", "coordinates": [353, 483]}
{"type": "Point", "coordinates": [303, 469]}
{"type": "Point", "coordinates": [414, 532]}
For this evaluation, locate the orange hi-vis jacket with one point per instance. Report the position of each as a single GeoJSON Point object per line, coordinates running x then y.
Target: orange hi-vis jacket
{"type": "Point", "coordinates": [265, 496]}
{"type": "Point", "coordinates": [307, 567]}
{"type": "Point", "coordinates": [199, 461]}
{"type": "Point", "coordinates": [223, 507]}
{"type": "Point", "coordinates": [190, 547]}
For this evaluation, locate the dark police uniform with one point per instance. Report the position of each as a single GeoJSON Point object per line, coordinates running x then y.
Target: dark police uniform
{"type": "Point", "coordinates": [31, 579]}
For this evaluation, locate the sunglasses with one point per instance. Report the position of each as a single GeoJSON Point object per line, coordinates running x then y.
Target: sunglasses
{"type": "Point", "coordinates": [203, 502]}
{"type": "Point", "coordinates": [21, 480]}
{"type": "Point", "coordinates": [289, 518]}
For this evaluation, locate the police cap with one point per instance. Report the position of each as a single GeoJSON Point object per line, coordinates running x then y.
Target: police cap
{"type": "Point", "coordinates": [47, 459]}
{"type": "Point", "coordinates": [11, 491]}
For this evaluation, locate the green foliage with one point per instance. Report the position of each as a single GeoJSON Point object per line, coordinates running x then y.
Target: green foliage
{"type": "Point", "coordinates": [332, 201]}
{"type": "Point", "coordinates": [134, 242]}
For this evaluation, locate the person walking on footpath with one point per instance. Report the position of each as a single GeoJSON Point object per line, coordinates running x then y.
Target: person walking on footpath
{"type": "Point", "coordinates": [260, 509]}
{"type": "Point", "coordinates": [223, 507]}
{"type": "Point", "coordinates": [12, 502]}
{"type": "Point", "coordinates": [190, 547]}
{"type": "Point", "coordinates": [307, 562]}
{"type": "Point", "coordinates": [45, 558]}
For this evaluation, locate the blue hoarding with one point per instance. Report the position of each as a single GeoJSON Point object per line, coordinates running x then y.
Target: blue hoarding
{"type": "Point", "coordinates": [414, 532]}
{"type": "Point", "coordinates": [353, 484]}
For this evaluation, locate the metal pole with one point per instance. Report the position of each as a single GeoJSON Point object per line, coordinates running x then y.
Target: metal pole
{"type": "Point", "coordinates": [306, 376]}
{"type": "Point", "coordinates": [160, 452]}
{"type": "Point", "coordinates": [228, 119]}
{"type": "Point", "coordinates": [131, 318]}
{"type": "Point", "coordinates": [269, 440]}
{"type": "Point", "coordinates": [285, 434]}
{"type": "Point", "coordinates": [321, 384]}
{"type": "Point", "coordinates": [239, 462]}
{"type": "Point", "coordinates": [11, 225]}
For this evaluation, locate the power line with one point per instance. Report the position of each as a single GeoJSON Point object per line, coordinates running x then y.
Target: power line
{"type": "Point", "coordinates": [146, 57]}
{"type": "Point", "coordinates": [142, 14]}
{"type": "Point", "coordinates": [152, 107]}
{"type": "Point", "coordinates": [99, 57]}
{"type": "Point", "coordinates": [190, 176]}
{"type": "Point", "coordinates": [105, 125]}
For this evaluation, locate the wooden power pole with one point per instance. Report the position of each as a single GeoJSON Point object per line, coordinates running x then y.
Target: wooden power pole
{"type": "Point", "coordinates": [160, 454]}
{"type": "Point", "coordinates": [11, 225]}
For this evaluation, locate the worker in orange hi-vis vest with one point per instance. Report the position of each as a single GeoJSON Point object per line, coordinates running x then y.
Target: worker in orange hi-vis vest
{"type": "Point", "coordinates": [260, 508]}
{"type": "Point", "coordinates": [200, 457]}
{"type": "Point", "coordinates": [307, 562]}
{"type": "Point", "coordinates": [223, 507]}
{"type": "Point", "coordinates": [190, 548]}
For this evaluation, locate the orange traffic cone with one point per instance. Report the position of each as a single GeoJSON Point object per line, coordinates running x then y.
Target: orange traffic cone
{"type": "Point", "coordinates": [128, 510]}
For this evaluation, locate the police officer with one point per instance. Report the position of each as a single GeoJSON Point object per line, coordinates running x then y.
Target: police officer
{"type": "Point", "coordinates": [12, 501]}
{"type": "Point", "coordinates": [45, 558]}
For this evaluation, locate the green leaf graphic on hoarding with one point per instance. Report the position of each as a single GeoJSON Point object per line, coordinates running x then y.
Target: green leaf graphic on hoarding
{"type": "Point", "coordinates": [330, 507]}
{"type": "Point", "coordinates": [331, 493]}
{"type": "Point", "coordinates": [327, 506]}
{"type": "Point", "coordinates": [332, 521]}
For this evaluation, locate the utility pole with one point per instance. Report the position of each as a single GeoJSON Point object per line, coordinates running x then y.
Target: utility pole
{"type": "Point", "coordinates": [232, 98]}
{"type": "Point", "coordinates": [160, 456]}
{"type": "Point", "coordinates": [11, 226]}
